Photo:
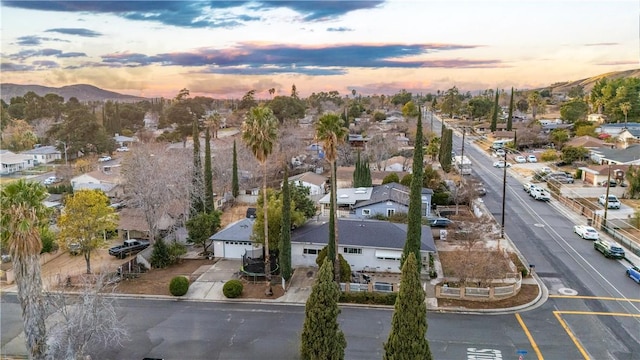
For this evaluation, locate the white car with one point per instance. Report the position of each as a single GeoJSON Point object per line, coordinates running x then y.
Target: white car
{"type": "Point", "coordinates": [122, 149]}
{"type": "Point", "coordinates": [545, 169]}
{"type": "Point", "coordinates": [541, 194]}
{"type": "Point", "coordinates": [532, 159]}
{"type": "Point", "coordinates": [500, 153]}
{"type": "Point", "coordinates": [586, 232]}
{"type": "Point", "coordinates": [613, 202]}
{"type": "Point", "coordinates": [501, 164]}
{"type": "Point", "coordinates": [520, 159]}
{"type": "Point", "coordinates": [529, 186]}
{"type": "Point", "coordinates": [104, 158]}
{"type": "Point", "coordinates": [51, 180]}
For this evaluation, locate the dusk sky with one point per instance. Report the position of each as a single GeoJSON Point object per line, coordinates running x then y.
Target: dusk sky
{"type": "Point", "coordinates": [225, 48]}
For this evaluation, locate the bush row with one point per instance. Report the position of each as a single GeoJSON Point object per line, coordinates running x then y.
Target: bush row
{"type": "Point", "coordinates": [372, 298]}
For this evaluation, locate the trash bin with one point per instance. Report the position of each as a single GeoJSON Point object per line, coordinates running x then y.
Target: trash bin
{"type": "Point", "coordinates": [589, 222]}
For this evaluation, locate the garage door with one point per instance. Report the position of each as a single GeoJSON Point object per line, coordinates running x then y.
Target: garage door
{"type": "Point", "coordinates": [235, 249]}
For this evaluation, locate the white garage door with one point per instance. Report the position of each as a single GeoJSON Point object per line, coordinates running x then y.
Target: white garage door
{"type": "Point", "coordinates": [235, 249]}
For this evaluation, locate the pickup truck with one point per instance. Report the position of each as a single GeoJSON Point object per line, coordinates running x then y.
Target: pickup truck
{"type": "Point", "coordinates": [128, 247]}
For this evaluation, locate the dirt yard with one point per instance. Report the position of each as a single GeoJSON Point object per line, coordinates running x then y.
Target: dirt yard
{"type": "Point", "coordinates": [527, 294]}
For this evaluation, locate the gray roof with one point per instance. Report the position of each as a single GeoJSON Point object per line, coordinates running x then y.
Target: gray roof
{"type": "Point", "coordinates": [631, 153]}
{"type": "Point", "coordinates": [42, 150]}
{"type": "Point", "coordinates": [240, 230]}
{"type": "Point", "coordinates": [631, 125]}
{"type": "Point", "coordinates": [349, 196]}
{"type": "Point", "coordinates": [366, 233]}
{"type": "Point", "coordinates": [392, 191]}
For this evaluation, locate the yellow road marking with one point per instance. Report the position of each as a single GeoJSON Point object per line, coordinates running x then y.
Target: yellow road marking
{"type": "Point", "coordinates": [593, 298]}
{"type": "Point", "coordinates": [569, 312]}
{"type": "Point", "coordinates": [533, 342]}
{"type": "Point", "coordinates": [573, 338]}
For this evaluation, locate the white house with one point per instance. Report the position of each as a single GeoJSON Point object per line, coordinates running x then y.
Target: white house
{"type": "Point", "coordinates": [232, 241]}
{"type": "Point", "coordinates": [109, 182]}
{"type": "Point", "coordinates": [44, 154]}
{"type": "Point", "coordinates": [122, 140]}
{"type": "Point", "coordinates": [314, 182]}
{"type": "Point", "coordinates": [346, 199]}
{"type": "Point", "coordinates": [367, 245]}
{"type": "Point", "coordinates": [12, 163]}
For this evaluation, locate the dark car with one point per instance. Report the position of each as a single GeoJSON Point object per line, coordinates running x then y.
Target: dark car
{"type": "Point", "coordinates": [440, 222]}
{"type": "Point", "coordinates": [609, 249]}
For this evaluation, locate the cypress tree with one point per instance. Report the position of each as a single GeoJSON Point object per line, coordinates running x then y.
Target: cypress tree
{"type": "Point", "coordinates": [494, 117]}
{"type": "Point", "coordinates": [510, 119]}
{"type": "Point", "coordinates": [368, 182]}
{"type": "Point", "coordinates": [285, 230]}
{"type": "Point", "coordinates": [197, 203]}
{"type": "Point", "coordinates": [331, 246]}
{"type": "Point", "coordinates": [322, 338]}
{"type": "Point", "coordinates": [357, 173]}
{"type": "Point", "coordinates": [407, 338]}
{"type": "Point", "coordinates": [448, 147]}
{"type": "Point", "coordinates": [235, 184]}
{"type": "Point", "coordinates": [208, 175]}
{"type": "Point", "coordinates": [414, 216]}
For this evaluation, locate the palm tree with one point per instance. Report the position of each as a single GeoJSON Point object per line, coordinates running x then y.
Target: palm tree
{"type": "Point", "coordinates": [330, 131]}
{"type": "Point", "coordinates": [259, 132]}
{"type": "Point", "coordinates": [213, 122]}
{"type": "Point", "coordinates": [625, 107]}
{"type": "Point", "coordinates": [22, 214]}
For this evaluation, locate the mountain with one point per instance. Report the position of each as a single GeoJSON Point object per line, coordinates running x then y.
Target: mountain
{"type": "Point", "coordinates": [588, 83]}
{"type": "Point", "coordinates": [82, 92]}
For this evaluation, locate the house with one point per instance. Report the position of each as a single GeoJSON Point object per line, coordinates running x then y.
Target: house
{"type": "Point", "coordinates": [588, 142]}
{"type": "Point", "coordinates": [614, 129]}
{"type": "Point", "coordinates": [598, 174]}
{"type": "Point", "coordinates": [367, 245]}
{"type": "Point", "coordinates": [344, 178]}
{"type": "Point", "coordinates": [606, 155]}
{"type": "Point", "coordinates": [358, 141]}
{"type": "Point", "coordinates": [44, 154]}
{"type": "Point", "coordinates": [12, 163]}
{"type": "Point", "coordinates": [396, 164]}
{"type": "Point", "coordinates": [629, 135]}
{"type": "Point", "coordinates": [106, 180]}
{"type": "Point", "coordinates": [346, 199]}
{"type": "Point", "coordinates": [132, 224]}
{"type": "Point", "coordinates": [389, 199]}
{"type": "Point", "coordinates": [232, 241]}
{"type": "Point", "coordinates": [123, 140]}
{"type": "Point", "coordinates": [316, 183]}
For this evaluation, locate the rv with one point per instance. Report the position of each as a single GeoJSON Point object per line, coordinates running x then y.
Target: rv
{"type": "Point", "coordinates": [463, 164]}
{"type": "Point", "coordinates": [500, 144]}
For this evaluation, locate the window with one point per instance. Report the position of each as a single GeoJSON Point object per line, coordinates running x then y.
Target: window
{"type": "Point", "coordinates": [352, 250]}
{"type": "Point", "coordinates": [311, 251]}
{"type": "Point", "coordinates": [390, 212]}
{"type": "Point", "coordinates": [366, 212]}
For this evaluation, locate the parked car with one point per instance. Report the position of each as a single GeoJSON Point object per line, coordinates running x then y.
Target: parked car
{"type": "Point", "coordinates": [612, 202]}
{"type": "Point", "coordinates": [545, 169]}
{"type": "Point", "coordinates": [51, 180]}
{"type": "Point", "coordinates": [500, 152]}
{"type": "Point", "coordinates": [532, 159]}
{"type": "Point", "coordinates": [122, 149]}
{"type": "Point", "coordinates": [104, 158]}
{"type": "Point", "coordinates": [634, 273]}
{"type": "Point", "coordinates": [609, 249]}
{"type": "Point", "coordinates": [529, 186]}
{"type": "Point", "coordinates": [586, 232]}
{"type": "Point", "coordinates": [440, 222]}
{"type": "Point", "coordinates": [501, 164]}
{"type": "Point", "coordinates": [129, 247]}
{"type": "Point", "coordinates": [520, 159]}
{"type": "Point", "coordinates": [539, 193]}
{"type": "Point", "coordinates": [559, 177]}
{"type": "Point", "coordinates": [612, 183]}
{"type": "Point", "coordinates": [480, 190]}
{"type": "Point", "coordinates": [75, 249]}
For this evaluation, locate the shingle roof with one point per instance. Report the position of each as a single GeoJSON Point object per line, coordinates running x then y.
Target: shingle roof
{"type": "Point", "coordinates": [391, 191]}
{"type": "Point", "coordinates": [240, 230]}
{"type": "Point", "coordinates": [309, 177]}
{"type": "Point", "coordinates": [586, 141]}
{"type": "Point", "coordinates": [42, 150]}
{"type": "Point", "coordinates": [631, 153]}
{"type": "Point", "coordinates": [367, 233]}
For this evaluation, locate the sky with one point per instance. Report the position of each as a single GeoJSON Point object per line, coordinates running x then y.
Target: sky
{"type": "Point", "coordinates": [224, 49]}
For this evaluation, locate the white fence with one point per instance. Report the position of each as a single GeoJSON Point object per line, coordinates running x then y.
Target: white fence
{"type": "Point", "coordinates": [513, 280]}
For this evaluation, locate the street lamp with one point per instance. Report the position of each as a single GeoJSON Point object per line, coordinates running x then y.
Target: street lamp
{"type": "Point", "coordinates": [504, 194]}
{"type": "Point", "coordinates": [606, 201]}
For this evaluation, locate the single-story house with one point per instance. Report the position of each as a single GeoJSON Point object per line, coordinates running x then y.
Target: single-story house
{"type": "Point", "coordinates": [367, 245]}
{"type": "Point", "coordinates": [598, 174]}
{"type": "Point", "coordinates": [316, 183]}
{"type": "Point", "coordinates": [627, 156]}
{"type": "Point", "coordinates": [389, 199]}
{"type": "Point", "coordinates": [108, 182]}
{"type": "Point", "coordinates": [614, 129]}
{"type": "Point", "coordinates": [132, 224]}
{"type": "Point", "coordinates": [12, 163]}
{"type": "Point", "coordinates": [588, 142]}
{"type": "Point", "coordinates": [44, 154]}
{"type": "Point", "coordinates": [345, 176]}
{"type": "Point", "coordinates": [123, 140]}
{"type": "Point", "coordinates": [232, 241]}
{"type": "Point", "coordinates": [345, 200]}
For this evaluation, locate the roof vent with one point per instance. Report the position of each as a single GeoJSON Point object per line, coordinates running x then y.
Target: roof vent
{"type": "Point", "coordinates": [344, 196]}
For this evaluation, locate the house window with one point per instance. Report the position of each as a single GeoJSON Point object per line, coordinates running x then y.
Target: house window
{"type": "Point", "coordinates": [390, 212]}
{"type": "Point", "coordinates": [348, 250]}
{"type": "Point", "coordinates": [366, 212]}
{"type": "Point", "coordinates": [311, 251]}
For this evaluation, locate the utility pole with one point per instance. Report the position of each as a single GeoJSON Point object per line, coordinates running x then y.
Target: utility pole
{"type": "Point", "coordinates": [504, 194]}
{"type": "Point", "coordinates": [606, 200]}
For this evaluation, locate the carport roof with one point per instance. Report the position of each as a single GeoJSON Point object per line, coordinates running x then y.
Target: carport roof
{"type": "Point", "coordinates": [367, 233]}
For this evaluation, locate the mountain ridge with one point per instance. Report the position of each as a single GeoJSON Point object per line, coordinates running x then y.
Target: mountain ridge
{"type": "Point", "coordinates": [82, 92]}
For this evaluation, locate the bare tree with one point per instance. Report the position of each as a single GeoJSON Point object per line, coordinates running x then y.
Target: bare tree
{"type": "Point", "coordinates": [379, 149]}
{"type": "Point", "coordinates": [85, 324]}
{"type": "Point", "coordinates": [157, 180]}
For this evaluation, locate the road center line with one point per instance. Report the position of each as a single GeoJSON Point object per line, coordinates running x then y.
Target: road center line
{"type": "Point", "coordinates": [570, 333]}
{"type": "Point", "coordinates": [530, 337]}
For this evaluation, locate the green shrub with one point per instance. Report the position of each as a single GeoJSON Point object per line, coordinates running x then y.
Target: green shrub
{"type": "Point", "coordinates": [232, 289]}
{"type": "Point", "coordinates": [391, 178]}
{"type": "Point", "coordinates": [363, 297]}
{"type": "Point", "coordinates": [179, 286]}
{"type": "Point", "coordinates": [549, 155]}
{"type": "Point", "coordinates": [345, 268]}
{"type": "Point", "coordinates": [440, 198]}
